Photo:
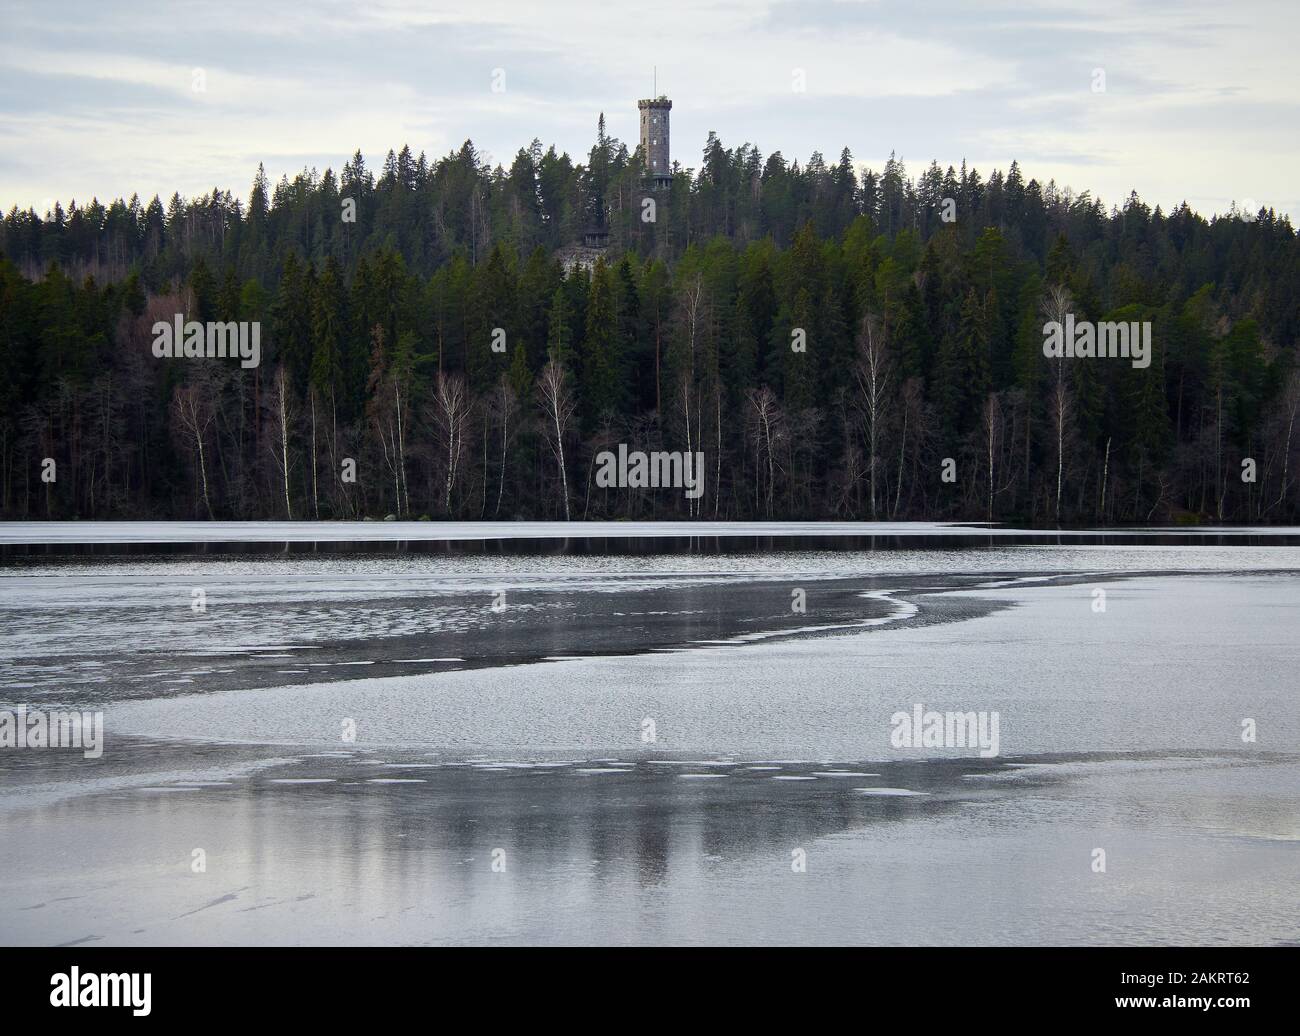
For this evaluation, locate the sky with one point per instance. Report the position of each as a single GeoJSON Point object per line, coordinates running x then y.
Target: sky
{"type": "Point", "coordinates": [1201, 101]}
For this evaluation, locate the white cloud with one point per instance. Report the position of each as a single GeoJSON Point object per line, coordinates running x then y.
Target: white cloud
{"type": "Point", "coordinates": [1200, 104]}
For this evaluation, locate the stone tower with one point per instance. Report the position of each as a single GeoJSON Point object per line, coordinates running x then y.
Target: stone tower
{"type": "Point", "coordinates": [654, 139]}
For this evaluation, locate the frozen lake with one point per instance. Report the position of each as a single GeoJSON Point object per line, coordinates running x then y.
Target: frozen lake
{"type": "Point", "coordinates": [658, 747]}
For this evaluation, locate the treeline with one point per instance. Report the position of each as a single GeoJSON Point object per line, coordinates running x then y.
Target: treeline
{"type": "Point", "coordinates": [832, 345]}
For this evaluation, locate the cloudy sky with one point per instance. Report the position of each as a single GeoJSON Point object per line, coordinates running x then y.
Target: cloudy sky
{"type": "Point", "coordinates": [1200, 103]}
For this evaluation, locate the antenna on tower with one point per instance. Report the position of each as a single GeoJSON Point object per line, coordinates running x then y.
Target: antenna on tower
{"type": "Point", "coordinates": [656, 93]}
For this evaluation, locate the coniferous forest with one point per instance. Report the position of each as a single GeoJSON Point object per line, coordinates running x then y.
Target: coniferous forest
{"type": "Point", "coordinates": [825, 337]}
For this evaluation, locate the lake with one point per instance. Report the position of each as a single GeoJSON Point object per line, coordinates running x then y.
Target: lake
{"type": "Point", "coordinates": [417, 733]}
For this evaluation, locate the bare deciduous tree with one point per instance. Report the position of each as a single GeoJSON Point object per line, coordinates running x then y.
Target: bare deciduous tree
{"type": "Point", "coordinates": [768, 433]}
{"type": "Point", "coordinates": [692, 318]}
{"type": "Point", "coordinates": [451, 417]}
{"type": "Point", "coordinates": [193, 413]}
{"type": "Point", "coordinates": [993, 425]}
{"type": "Point", "coordinates": [1056, 306]}
{"type": "Point", "coordinates": [1060, 410]}
{"type": "Point", "coordinates": [913, 403]}
{"type": "Point", "coordinates": [389, 410]}
{"type": "Point", "coordinates": [282, 416]}
{"type": "Point", "coordinates": [558, 407]}
{"type": "Point", "coordinates": [1290, 408]}
{"type": "Point", "coordinates": [503, 406]}
{"type": "Point", "coordinates": [873, 376]}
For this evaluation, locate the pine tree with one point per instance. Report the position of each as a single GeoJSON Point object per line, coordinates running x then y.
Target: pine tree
{"type": "Point", "coordinates": [601, 389]}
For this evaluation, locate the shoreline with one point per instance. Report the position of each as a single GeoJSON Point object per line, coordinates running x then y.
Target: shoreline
{"type": "Point", "coordinates": [68, 533]}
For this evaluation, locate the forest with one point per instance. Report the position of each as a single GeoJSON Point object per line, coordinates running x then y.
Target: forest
{"type": "Point", "coordinates": [837, 342]}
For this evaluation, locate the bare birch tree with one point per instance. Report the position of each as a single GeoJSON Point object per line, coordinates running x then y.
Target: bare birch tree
{"type": "Point", "coordinates": [993, 426]}
{"type": "Point", "coordinates": [1060, 410]}
{"type": "Point", "coordinates": [913, 402]}
{"type": "Point", "coordinates": [389, 410]}
{"type": "Point", "coordinates": [558, 406]}
{"type": "Point", "coordinates": [282, 416]}
{"type": "Point", "coordinates": [692, 312]}
{"type": "Point", "coordinates": [873, 376]}
{"type": "Point", "coordinates": [1290, 408]}
{"type": "Point", "coordinates": [767, 430]}
{"type": "Point", "coordinates": [194, 414]}
{"type": "Point", "coordinates": [504, 406]}
{"type": "Point", "coordinates": [315, 495]}
{"type": "Point", "coordinates": [1057, 305]}
{"type": "Point", "coordinates": [451, 418]}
